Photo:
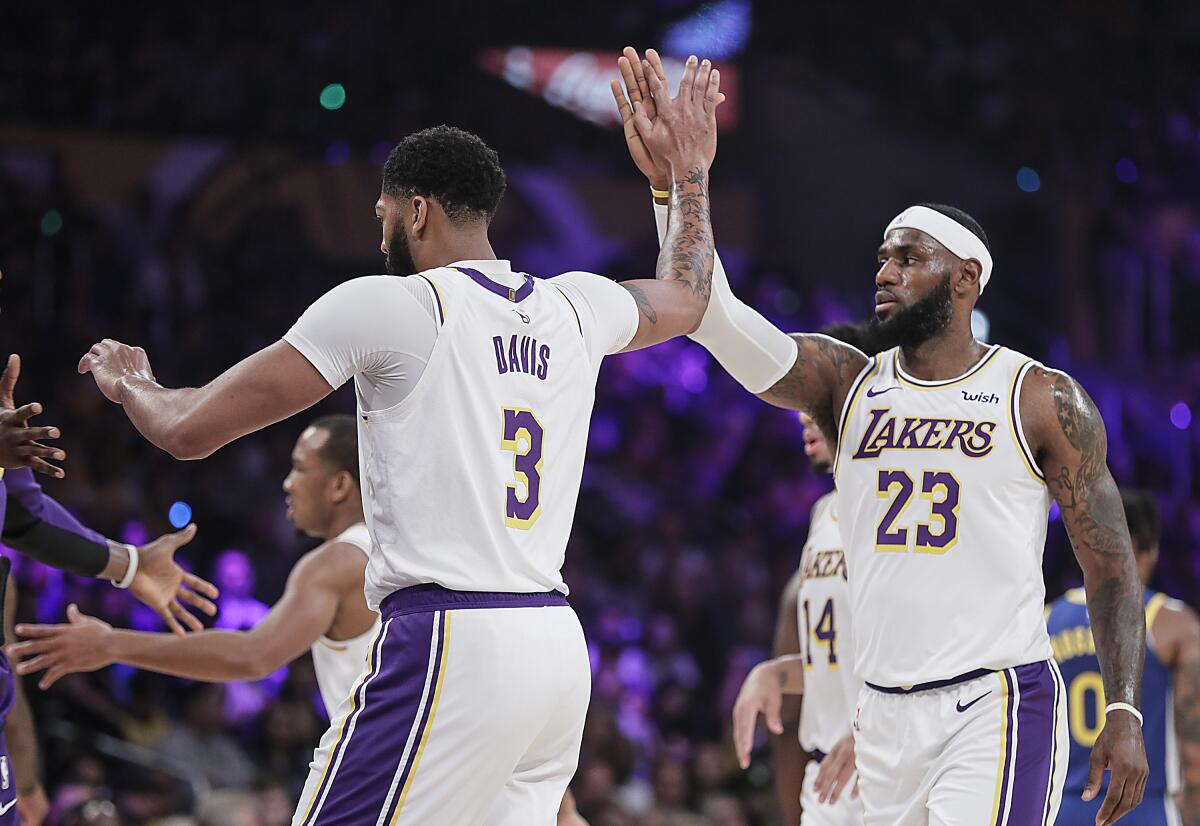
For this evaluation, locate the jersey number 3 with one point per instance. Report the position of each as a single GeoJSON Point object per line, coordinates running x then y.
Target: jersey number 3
{"type": "Point", "coordinates": [934, 537]}
{"type": "Point", "coordinates": [523, 435]}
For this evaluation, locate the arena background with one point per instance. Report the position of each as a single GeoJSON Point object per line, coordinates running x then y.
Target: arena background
{"type": "Point", "coordinates": [190, 179]}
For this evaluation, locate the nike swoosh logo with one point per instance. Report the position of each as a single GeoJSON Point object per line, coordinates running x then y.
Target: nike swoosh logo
{"type": "Point", "coordinates": [961, 707]}
{"type": "Point", "coordinates": [872, 392]}
{"type": "Point", "coordinates": [8, 806]}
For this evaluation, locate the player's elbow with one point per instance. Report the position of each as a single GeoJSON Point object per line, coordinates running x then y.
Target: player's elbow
{"type": "Point", "coordinates": [248, 664]}
{"type": "Point", "coordinates": [187, 441]}
{"type": "Point", "coordinates": [692, 308]}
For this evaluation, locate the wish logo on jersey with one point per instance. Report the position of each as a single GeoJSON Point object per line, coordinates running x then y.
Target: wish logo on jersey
{"type": "Point", "coordinates": [883, 432]}
{"type": "Point", "coordinates": [522, 354]}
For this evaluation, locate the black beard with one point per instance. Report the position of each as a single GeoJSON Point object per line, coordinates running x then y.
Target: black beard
{"type": "Point", "coordinates": [916, 324]}
{"type": "Point", "coordinates": [821, 466]}
{"type": "Point", "coordinates": [399, 256]}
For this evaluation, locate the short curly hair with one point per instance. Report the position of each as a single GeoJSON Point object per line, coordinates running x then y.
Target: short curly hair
{"type": "Point", "coordinates": [450, 165]}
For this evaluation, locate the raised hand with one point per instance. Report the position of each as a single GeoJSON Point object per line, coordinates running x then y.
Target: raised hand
{"type": "Point", "coordinates": [682, 137]}
{"type": "Point", "coordinates": [164, 586]}
{"type": "Point", "coordinates": [80, 644]}
{"type": "Point", "coordinates": [110, 362]}
{"type": "Point", "coordinates": [20, 444]}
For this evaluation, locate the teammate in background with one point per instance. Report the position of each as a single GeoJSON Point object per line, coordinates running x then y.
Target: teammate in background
{"type": "Point", "coordinates": [948, 452]}
{"type": "Point", "coordinates": [1170, 689]}
{"type": "Point", "coordinates": [475, 386]}
{"type": "Point", "coordinates": [813, 628]}
{"type": "Point", "coordinates": [814, 750]}
{"type": "Point", "coordinates": [322, 607]}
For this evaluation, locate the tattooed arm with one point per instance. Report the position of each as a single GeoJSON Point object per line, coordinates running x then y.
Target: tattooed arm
{"type": "Point", "coordinates": [1067, 436]}
{"type": "Point", "coordinates": [674, 302]}
{"type": "Point", "coordinates": [1175, 639]}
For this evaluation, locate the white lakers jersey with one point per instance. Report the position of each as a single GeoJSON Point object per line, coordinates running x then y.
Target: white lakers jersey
{"type": "Point", "coordinates": [830, 686]}
{"type": "Point", "coordinates": [471, 481]}
{"type": "Point", "coordinates": [338, 663]}
{"type": "Point", "coordinates": [944, 521]}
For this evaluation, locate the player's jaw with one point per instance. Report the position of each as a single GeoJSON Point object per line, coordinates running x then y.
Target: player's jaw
{"type": "Point", "coordinates": [399, 259]}
{"type": "Point", "coordinates": [902, 319]}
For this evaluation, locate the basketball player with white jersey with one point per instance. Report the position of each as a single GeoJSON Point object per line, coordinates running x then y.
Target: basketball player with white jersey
{"type": "Point", "coordinates": [818, 615]}
{"type": "Point", "coordinates": [475, 384]}
{"type": "Point", "coordinates": [947, 455]}
{"type": "Point", "coordinates": [322, 607]}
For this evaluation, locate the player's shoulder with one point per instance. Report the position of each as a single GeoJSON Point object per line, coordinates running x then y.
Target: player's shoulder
{"type": "Point", "coordinates": [825, 507]}
{"type": "Point", "coordinates": [335, 559]}
{"type": "Point", "coordinates": [1173, 611]}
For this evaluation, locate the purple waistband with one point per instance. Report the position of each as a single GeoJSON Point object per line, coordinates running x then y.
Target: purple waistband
{"type": "Point", "coordinates": [817, 755]}
{"type": "Point", "coordinates": [433, 597]}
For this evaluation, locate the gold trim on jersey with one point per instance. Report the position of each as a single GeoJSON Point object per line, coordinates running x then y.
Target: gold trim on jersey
{"type": "Point", "coordinates": [869, 370]}
{"type": "Point", "coordinates": [1014, 423]}
{"type": "Point", "coordinates": [1003, 744]}
{"type": "Point", "coordinates": [924, 384]}
{"type": "Point", "coordinates": [437, 294]}
{"type": "Point", "coordinates": [1153, 607]}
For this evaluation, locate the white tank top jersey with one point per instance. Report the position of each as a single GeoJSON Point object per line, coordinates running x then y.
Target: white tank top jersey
{"type": "Point", "coordinates": [470, 481]}
{"type": "Point", "coordinates": [823, 607]}
{"type": "Point", "coordinates": [949, 521]}
{"type": "Point", "coordinates": [339, 663]}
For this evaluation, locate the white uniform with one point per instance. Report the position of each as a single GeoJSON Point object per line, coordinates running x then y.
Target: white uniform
{"type": "Point", "coordinates": [471, 708]}
{"type": "Point", "coordinates": [830, 685]}
{"type": "Point", "coordinates": [944, 555]}
{"type": "Point", "coordinates": [339, 663]}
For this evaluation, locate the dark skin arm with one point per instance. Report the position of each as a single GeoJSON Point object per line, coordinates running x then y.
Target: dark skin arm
{"type": "Point", "coordinates": [1068, 438]}
{"type": "Point", "coordinates": [790, 760]}
{"type": "Point", "coordinates": [1175, 638]}
{"type": "Point", "coordinates": [819, 381]}
{"type": "Point", "coordinates": [20, 734]}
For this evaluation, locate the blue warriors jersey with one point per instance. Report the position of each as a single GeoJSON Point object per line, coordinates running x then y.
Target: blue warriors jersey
{"type": "Point", "coordinates": [1075, 652]}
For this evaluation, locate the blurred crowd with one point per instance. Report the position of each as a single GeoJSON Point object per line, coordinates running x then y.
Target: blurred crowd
{"type": "Point", "coordinates": [696, 496]}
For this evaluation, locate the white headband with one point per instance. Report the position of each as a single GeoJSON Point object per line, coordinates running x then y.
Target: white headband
{"type": "Point", "coordinates": [949, 233]}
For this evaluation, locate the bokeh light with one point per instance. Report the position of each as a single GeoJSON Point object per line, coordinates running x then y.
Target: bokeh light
{"type": "Point", "coordinates": [179, 515]}
{"type": "Point", "coordinates": [52, 222]}
{"type": "Point", "coordinates": [1181, 415]}
{"type": "Point", "coordinates": [1028, 179]}
{"type": "Point", "coordinates": [333, 96]}
{"type": "Point", "coordinates": [1127, 171]}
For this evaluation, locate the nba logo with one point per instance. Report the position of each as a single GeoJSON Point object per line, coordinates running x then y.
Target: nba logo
{"type": "Point", "coordinates": [4, 772]}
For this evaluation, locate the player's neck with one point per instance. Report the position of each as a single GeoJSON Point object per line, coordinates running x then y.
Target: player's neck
{"type": "Point", "coordinates": [341, 521]}
{"type": "Point", "coordinates": [944, 356]}
{"type": "Point", "coordinates": [463, 247]}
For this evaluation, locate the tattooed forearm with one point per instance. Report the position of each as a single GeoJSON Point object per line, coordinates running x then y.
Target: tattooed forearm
{"type": "Point", "coordinates": [644, 305]}
{"type": "Point", "coordinates": [1187, 732]}
{"type": "Point", "coordinates": [1075, 462]}
{"type": "Point", "coordinates": [687, 251]}
{"type": "Point", "coordinates": [1119, 629]}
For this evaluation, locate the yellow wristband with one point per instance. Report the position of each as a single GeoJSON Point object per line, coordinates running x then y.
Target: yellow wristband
{"type": "Point", "coordinates": [660, 193]}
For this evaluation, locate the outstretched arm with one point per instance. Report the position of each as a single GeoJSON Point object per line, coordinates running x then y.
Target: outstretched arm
{"type": "Point", "coordinates": [681, 133]}
{"type": "Point", "coordinates": [1067, 435]}
{"type": "Point", "coordinates": [193, 422]}
{"type": "Point", "coordinates": [301, 616]}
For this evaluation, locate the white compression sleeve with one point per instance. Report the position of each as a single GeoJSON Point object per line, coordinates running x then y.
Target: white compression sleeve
{"type": "Point", "coordinates": [751, 349]}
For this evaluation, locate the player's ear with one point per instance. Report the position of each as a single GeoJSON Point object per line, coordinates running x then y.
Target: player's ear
{"type": "Point", "coordinates": [420, 215]}
{"type": "Point", "coordinates": [343, 487]}
{"type": "Point", "coordinates": [966, 280]}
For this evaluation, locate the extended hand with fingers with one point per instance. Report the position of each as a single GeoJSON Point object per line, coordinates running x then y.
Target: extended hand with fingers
{"type": "Point", "coordinates": [761, 693]}
{"type": "Point", "coordinates": [110, 362]}
{"type": "Point", "coordinates": [634, 72]}
{"type": "Point", "coordinates": [682, 135]}
{"type": "Point", "coordinates": [164, 586]}
{"type": "Point", "coordinates": [67, 648]}
{"type": "Point", "coordinates": [837, 770]}
{"type": "Point", "coordinates": [20, 444]}
{"type": "Point", "coordinates": [1120, 749]}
